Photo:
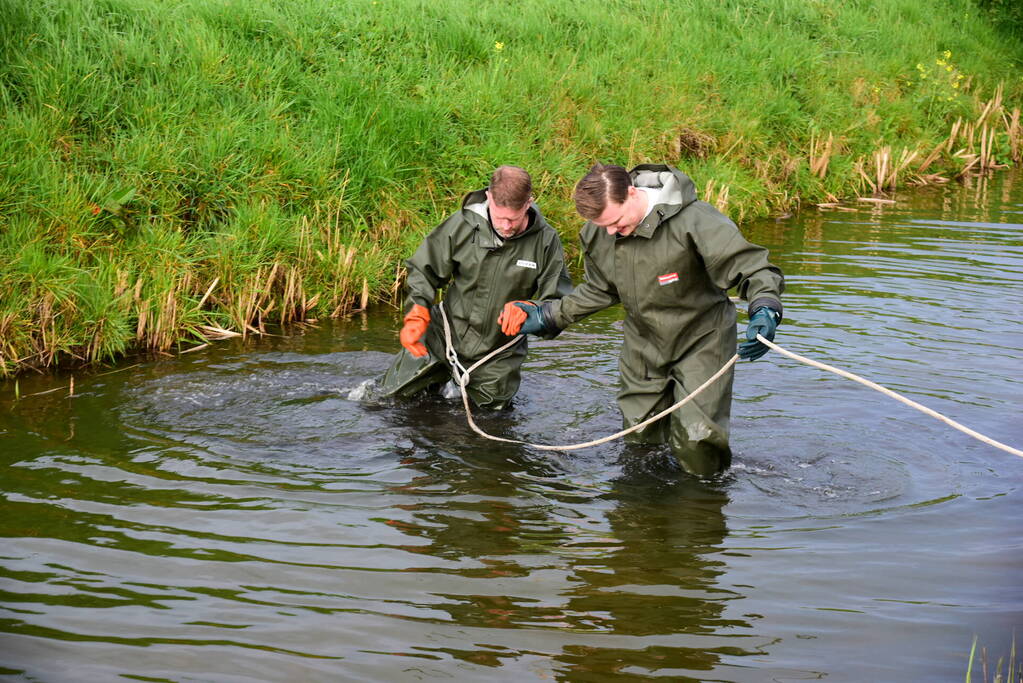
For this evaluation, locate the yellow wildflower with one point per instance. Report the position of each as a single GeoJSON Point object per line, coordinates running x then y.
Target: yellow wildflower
{"type": "Point", "coordinates": [498, 46]}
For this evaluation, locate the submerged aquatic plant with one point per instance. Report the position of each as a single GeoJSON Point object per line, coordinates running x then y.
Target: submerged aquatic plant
{"type": "Point", "coordinates": [1006, 671]}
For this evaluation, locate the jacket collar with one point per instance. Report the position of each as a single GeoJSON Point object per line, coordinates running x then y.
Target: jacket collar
{"type": "Point", "coordinates": [676, 189]}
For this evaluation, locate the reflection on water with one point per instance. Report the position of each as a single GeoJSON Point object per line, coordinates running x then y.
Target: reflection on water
{"type": "Point", "coordinates": [232, 515]}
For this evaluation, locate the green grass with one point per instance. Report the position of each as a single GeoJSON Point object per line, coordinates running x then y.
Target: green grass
{"type": "Point", "coordinates": [292, 152]}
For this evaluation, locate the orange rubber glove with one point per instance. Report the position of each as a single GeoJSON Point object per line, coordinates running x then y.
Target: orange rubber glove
{"type": "Point", "coordinates": [511, 318]}
{"type": "Point", "coordinates": [416, 322]}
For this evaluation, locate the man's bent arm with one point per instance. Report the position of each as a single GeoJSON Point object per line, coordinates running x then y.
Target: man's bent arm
{"type": "Point", "coordinates": [431, 266]}
{"type": "Point", "coordinates": [732, 261]}
{"type": "Point", "coordinates": [594, 293]}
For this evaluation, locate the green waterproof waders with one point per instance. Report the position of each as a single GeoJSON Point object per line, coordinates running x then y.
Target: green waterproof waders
{"type": "Point", "coordinates": [492, 385]}
{"type": "Point", "coordinates": [672, 275]}
{"type": "Point", "coordinates": [478, 272]}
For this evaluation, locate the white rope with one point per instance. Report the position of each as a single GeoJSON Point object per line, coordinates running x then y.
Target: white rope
{"type": "Point", "coordinates": [888, 392]}
{"type": "Point", "coordinates": [462, 378]}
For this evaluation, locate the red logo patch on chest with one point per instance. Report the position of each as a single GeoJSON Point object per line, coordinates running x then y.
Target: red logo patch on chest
{"type": "Point", "coordinates": [667, 279]}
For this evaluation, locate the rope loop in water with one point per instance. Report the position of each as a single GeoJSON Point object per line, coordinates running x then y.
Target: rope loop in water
{"type": "Point", "coordinates": [462, 378]}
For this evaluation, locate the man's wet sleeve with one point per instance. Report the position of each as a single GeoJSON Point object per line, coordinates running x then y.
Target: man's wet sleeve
{"type": "Point", "coordinates": [595, 293]}
{"type": "Point", "coordinates": [554, 281]}
{"type": "Point", "coordinates": [732, 261]}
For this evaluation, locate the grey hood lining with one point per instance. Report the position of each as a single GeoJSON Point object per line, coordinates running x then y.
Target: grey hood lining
{"type": "Point", "coordinates": [480, 208]}
{"type": "Point", "coordinates": [665, 182]}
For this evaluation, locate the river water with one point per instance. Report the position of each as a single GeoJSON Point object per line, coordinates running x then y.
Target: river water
{"type": "Point", "coordinates": [232, 515]}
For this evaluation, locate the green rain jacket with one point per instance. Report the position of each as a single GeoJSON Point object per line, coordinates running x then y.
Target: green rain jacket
{"type": "Point", "coordinates": [481, 271]}
{"type": "Point", "coordinates": [672, 276]}
{"type": "Point", "coordinates": [673, 273]}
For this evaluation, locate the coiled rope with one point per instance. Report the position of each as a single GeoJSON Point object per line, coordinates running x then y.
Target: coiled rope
{"type": "Point", "coordinates": [461, 374]}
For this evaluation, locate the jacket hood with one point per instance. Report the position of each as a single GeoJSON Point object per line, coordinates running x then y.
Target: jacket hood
{"type": "Point", "coordinates": [475, 211]}
{"type": "Point", "coordinates": [675, 190]}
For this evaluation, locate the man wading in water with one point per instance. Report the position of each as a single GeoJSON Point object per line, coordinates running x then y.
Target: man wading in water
{"type": "Point", "coordinates": [670, 260]}
{"type": "Point", "coordinates": [498, 247]}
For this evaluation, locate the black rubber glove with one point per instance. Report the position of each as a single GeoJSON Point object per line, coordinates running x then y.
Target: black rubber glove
{"type": "Point", "coordinates": [534, 322]}
{"type": "Point", "coordinates": [763, 321]}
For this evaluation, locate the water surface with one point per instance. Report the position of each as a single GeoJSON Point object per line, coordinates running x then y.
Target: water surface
{"type": "Point", "coordinates": [232, 515]}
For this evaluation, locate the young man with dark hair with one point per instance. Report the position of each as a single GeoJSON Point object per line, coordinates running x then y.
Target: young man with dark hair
{"type": "Point", "coordinates": [496, 248]}
{"type": "Point", "coordinates": [670, 260]}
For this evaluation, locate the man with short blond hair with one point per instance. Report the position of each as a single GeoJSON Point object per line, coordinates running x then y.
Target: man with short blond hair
{"type": "Point", "coordinates": [497, 248]}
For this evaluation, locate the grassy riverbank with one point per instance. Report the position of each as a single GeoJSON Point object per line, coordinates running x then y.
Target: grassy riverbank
{"type": "Point", "coordinates": [171, 172]}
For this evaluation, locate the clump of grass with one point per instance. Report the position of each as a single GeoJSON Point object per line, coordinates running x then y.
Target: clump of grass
{"type": "Point", "coordinates": [294, 153]}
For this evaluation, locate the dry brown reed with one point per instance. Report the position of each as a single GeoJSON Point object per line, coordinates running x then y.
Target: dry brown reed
{"type": "Point", "coordinates": [213, 332]}
{"type": "Point", "coordinates": [400, 273]}
{"type": "Point", "coordinates": [972, 147]}
{"type": "Point", "coordinates": [8, 349]}
{"type": "Point", "coordinates": [1015, 133]}
{"type": "Point", "coordinates": [716, 196]}
{"type": "Point", "coordinates": [157, 325]}
{"type": "Point", "coordinates": [820, 155]}
{"type": "Point", "coordinates": [974, 142]}
{"type": "Point", "coordinates": [341, 293]}
{"type": "Point", "coordinates": [209, 290]}
{"type": "Point", "coordinates": [934, 155]}
{"type": "Point", "coordinates": [882, 171]}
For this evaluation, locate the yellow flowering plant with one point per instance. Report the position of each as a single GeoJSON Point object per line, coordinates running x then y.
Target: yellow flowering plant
{"type": "Point", "coordinates": [940, 84]}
